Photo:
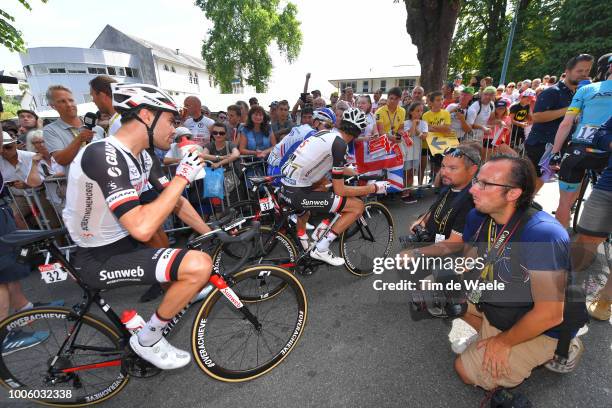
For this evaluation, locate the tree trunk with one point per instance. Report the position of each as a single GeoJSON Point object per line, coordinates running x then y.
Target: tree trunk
{"type": "Point", "coordinates": [431, 24]}
{"type": "Point", "coordinates": [494, 45]}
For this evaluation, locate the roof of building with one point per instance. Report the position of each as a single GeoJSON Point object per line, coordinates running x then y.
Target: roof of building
{"type": "Point", "coordinates": [395, 71]}
{"type": "Point", "coordinates": [166, 53]}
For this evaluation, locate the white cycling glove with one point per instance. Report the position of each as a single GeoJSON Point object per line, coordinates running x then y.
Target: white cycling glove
{"type": "Point", "coordinates": [381, 187]}
{"type": "Point", "coordinates": [190, 166]}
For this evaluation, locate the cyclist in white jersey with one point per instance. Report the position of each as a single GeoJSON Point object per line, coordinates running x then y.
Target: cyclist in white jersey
{"type": "Point", "coordinates": [305, 179]}
{"type": "Point", "coordinates": [109, 224]}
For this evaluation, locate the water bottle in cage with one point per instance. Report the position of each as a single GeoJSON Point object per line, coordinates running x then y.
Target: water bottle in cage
{"type": "Point", "coordinates": [132, 321]}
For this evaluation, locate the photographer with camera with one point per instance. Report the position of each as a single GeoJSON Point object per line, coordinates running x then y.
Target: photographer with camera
{"type": "Point", "coordinates": [443, 223]}
{"type": "Point", "coordinates": [534, 317]}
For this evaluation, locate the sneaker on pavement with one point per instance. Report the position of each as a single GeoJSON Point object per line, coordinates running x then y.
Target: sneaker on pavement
{"type": "Point", "coordinates": [18, 340]}
{"type": "Point", "coordinates": [328, 257]}
{"type": "Point", "coordinates": [409, 199]}
{"type": "Point", "coordinates": [599, 309]}
{"type": "Point", "coordinates": [562, 365]}
{"type": "Point", "coordinates": [161, 354]}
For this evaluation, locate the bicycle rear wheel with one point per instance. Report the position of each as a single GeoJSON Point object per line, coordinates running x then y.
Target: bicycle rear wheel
{"type": "Point", "coordinates": [88, 368]}
{"type": "Point", "coordinates": [370, 237]}
{"type": "Point", "coordinates": [230, 348]}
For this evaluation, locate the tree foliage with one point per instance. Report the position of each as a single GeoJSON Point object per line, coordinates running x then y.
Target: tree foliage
{"type": "Point", "coordinates": [237, 45]}
{"type": "Point", "coordinates": [548, 33]}
{"type": "Point", "coordinates": [10, 37]}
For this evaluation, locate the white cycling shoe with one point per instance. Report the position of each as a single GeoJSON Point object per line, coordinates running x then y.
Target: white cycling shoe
{"type": "Point", "coordinates": [162, 354]}
{"type": "Point", "coordinates": [328, 257]}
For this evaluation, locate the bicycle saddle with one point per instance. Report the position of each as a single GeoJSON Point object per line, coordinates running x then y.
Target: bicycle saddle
{"type": "Point", "coordinates": [25, 237]}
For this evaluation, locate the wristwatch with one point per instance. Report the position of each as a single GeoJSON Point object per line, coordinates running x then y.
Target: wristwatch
{"type": "Point", "coordinates": [217, 157]}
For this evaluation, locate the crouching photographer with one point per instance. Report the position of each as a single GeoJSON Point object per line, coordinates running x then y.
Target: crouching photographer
{"type": "Point", "coordinates": [442, 226]}
{"type": "Point", "coordinates": [526, 309]}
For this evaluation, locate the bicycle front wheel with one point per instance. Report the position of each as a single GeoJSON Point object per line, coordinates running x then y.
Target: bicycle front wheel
{"type": "Point", "coordinates": [41, 363]}
{"type": "Point", "coordinates": [229, 347]}
{"type": "Point", "coordinates": [369, 238]}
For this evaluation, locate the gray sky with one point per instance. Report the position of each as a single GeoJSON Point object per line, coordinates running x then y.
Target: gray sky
{"type": "Point", "coordinates": [339, 36]}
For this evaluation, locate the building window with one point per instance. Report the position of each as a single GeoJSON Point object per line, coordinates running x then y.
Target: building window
{"type": "Point", "coordinates": [96, 70]}
{"type": "Point", "coordinates": [135, 72]}
{"type": "Point", "coordinates": [237, 88]}
{"type": "Point", "coordinates": [346, 84]}
{"type": "Point", "coordinates": [366, 87]}
{"type": "Point", "coordinates": [166, 68]}
{"type": "Point", "coordinates": [27, 71]}
{"type": "Point", "coordinates": [173, 69]}
{"type": "Point", "coordinates": [190, 77]}
{"type": "Point", "coordinates": [57, 70]}
{"type": "Point", "coordinates": [383, 85]}
{"type": "Point", "coordinates": [195, 78]}
{"type": "Point", "coordinates": [43, 99]}
{"type": "Point", "coordinates": [131, 72]}
{"type": "Point", "coordinates": [111, 71]}
{"type": "Point", "coordinates": [406, 83]}
{"type": "Point", "coordinates": [121, 71]}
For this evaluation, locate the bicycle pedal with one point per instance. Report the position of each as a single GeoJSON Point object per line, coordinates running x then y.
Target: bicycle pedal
{"type": "Point", "coordinates": [139, 368]}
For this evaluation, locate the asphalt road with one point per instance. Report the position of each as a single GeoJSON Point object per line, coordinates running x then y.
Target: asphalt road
{"type": "Point", "coordinates": [360, 349]}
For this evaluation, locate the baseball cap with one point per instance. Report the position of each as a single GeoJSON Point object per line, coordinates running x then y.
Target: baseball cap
{"type": "Point", "coordinates": [20, 111]}
{"type": "Point", "coordinates": [181, 131]}
{"type": "Point", "coordinates": [489, 89]}
{"type": "Point", "coordinates": [529, 92]}
{"type": "Point", "coordinates": [7, 139]}
{"type": "Point", "coordinates": [469, 90]}
{"type": "Point", "coordinates": [274, 104]}
{"type": "Point", "coordinates": [501, 103]}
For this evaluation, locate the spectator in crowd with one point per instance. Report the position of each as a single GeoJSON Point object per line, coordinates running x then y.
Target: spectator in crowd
{"type": "Point", "coordinates": [498, 140]}
{"type": "Point", "coordinates": [485, 82]}
{"type": "Point", "coordinates": [253, 101]}
{"type": "Point", "coordinates": [244, 111]}
{"type": "Point", "coordinates": [510, 92]}
{"type": "Point", "coordinates": [101, 95]}
{"type": "Point", "coordinates": [545, 79]}
{"type": "Point", "coordinates": [48, 168]}
{"type": "Point", "coordinates": [196, 121]}
{"type": "Point", "coordinates": [174, 154]}
{"type": "Point", "coordinates": [415, 157]}
{"type": "Point", "coordinates": [333, 99]}
{"type": "Point", "coordinates": [474, 82]}
{"type": "Point", "coordinates": [406, 101]}
{"type": "Point", "coordinates": [273, 111]}
{"type": "Point", "coordinates": [295, 112]}
{"type": "Point", "coordinates": [417, 94]}
{"type": "Point", "coordinates": [550, 109]}
{"type": "Point", "coordinates": [382, 102]}
{"type": "Point", "coordinates": [438, 124]}
{"type": "Point", "coordinates": [457, 82]}
{"type": "Point", "coordinates": [316, 94]}
{"type": "Point", "coordinates": [520, 116]}
{"type": "Point", "coordinates": [480, 112]}
{"type": "Point", "coordinates": [458, 112]}
{"type": "Point", "coordinates": [233, 123]}
{"type": "Point", "coordinates": [11, 272]}
{"type": "Point", "coordinates": [390, 118]}
{"type": "Point", "coordinates": [517, 327]}
{"type": "Point", "coordinates": [19, 169]}
{"type": "Point", "coordinates": [535, 84]}
{"type": "Point", "coordinates": [349, 96]}
{"type": "Point", "coordinates": [306, 115]}
{"type": "Point", "coordinates": [28, 122]}
{"type": "Point", "coordinates": [526, 84]}
{"type": "Point", "coordinates": [447, 93]}
{"type": "Point", "coordinates": [224, 154]}
{"type": "Point", "coordinates": [377, 95]}
{"type": "Point", "coordinates": [65, 137]}
{"type": "Point", "coordinates": [222, 116]}
{"type": "Point", "coordinates": [318, 103]}
{"type": "Point", "coordinates": [500, 91]}
{"type": "Point", "coordinates": [364, 103]}
{"type": "Point", "coordinates": [256, 137]}
{"type": "Point", "coordinates": [341, 106]}
{"type": "Point", "coordinates": [283, 121]}
{"type": "Point", "coordinates": [552, 80]}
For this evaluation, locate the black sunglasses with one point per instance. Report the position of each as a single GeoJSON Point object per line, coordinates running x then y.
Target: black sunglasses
{"type": "Point", "coordinates": [215, 133]}
{"type": "Point", "coordinates": [457, 152]}
{"type": "Point", "coordinates": [484, 184]}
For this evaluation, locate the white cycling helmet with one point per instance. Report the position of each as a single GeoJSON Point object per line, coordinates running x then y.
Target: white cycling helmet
{"type": "Point", "coordinates": [356, 117]}
{"type": "Point", "coordinates": [325, 115]}
{"type": "Point", "coordinates": [131, 96]}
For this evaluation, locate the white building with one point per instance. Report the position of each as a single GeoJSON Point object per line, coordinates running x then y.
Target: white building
{"type": "Point", "coordinates": [74, 68]}
{"type": "Point", "coordinates": [367, 81]}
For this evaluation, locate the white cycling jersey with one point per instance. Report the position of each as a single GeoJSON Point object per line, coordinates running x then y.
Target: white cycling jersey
{"type": "Point", "coordinates": [314, 158]}
{"type": "Point", "coordinates": [104, 182]}
{"type": "Point", "coordinates": [283, 147]}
